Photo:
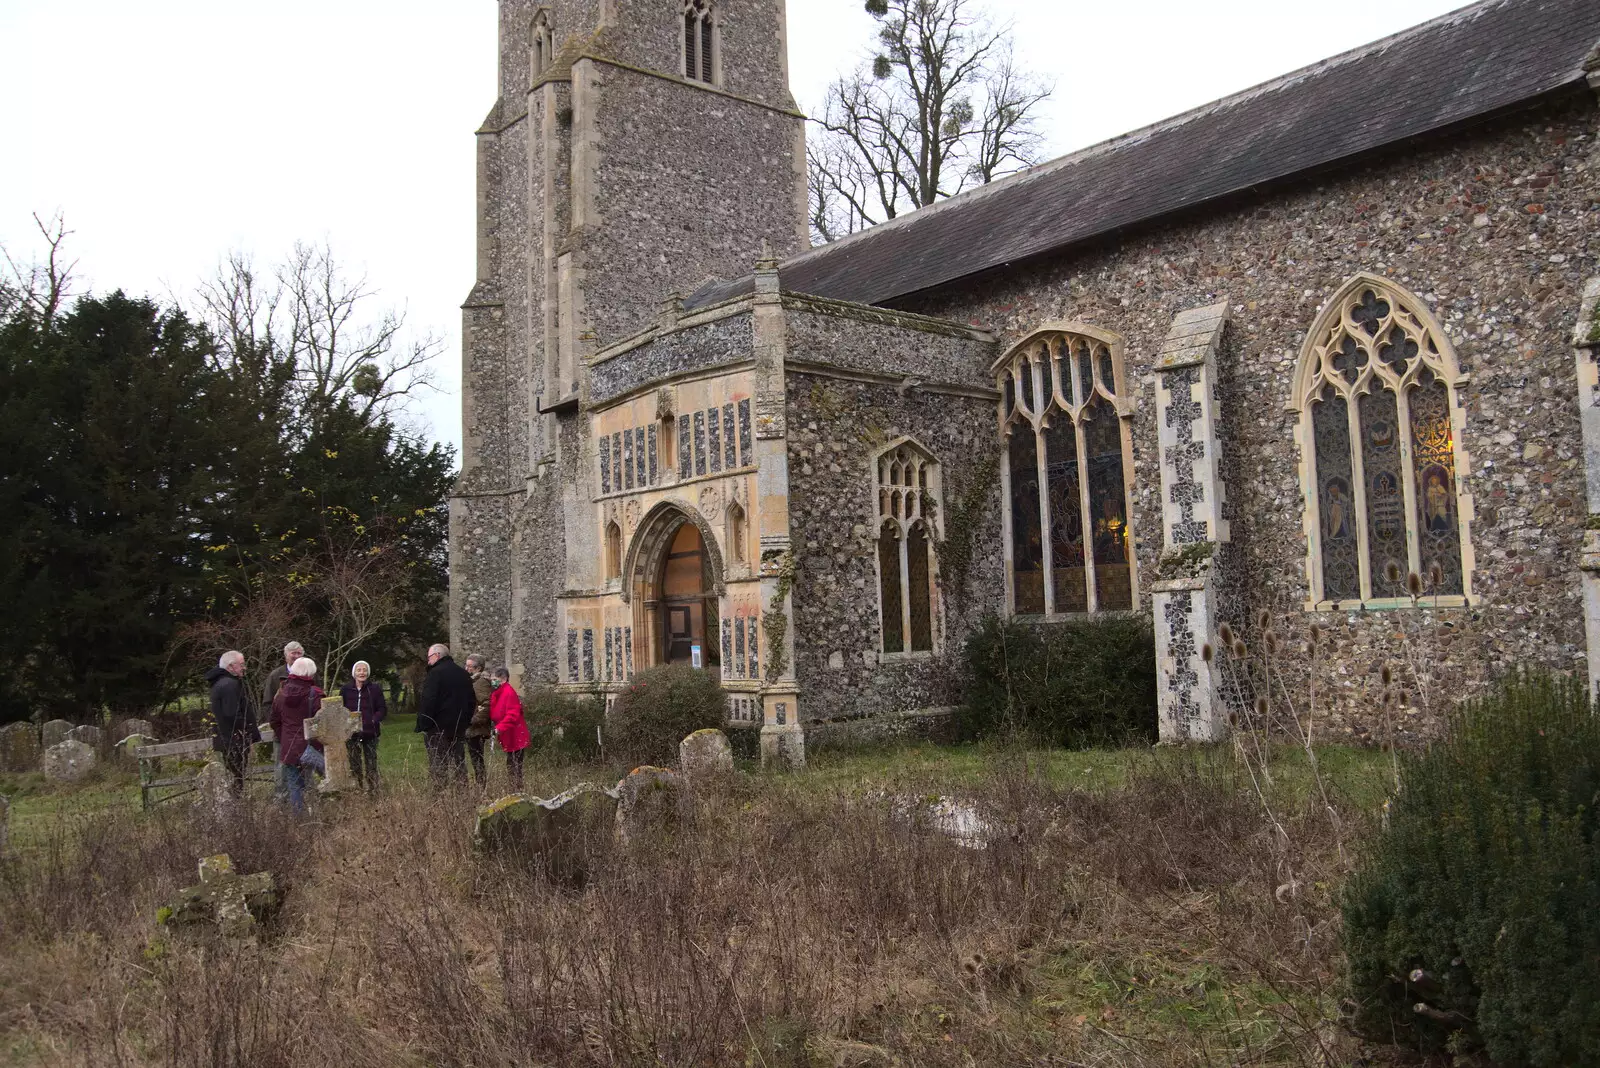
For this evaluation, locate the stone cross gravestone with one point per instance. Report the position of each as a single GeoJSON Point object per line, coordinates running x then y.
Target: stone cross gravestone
{"type": "Point", "coordinates": [332, 726]}
{"type": "Point", "coordinates": [236, 904]}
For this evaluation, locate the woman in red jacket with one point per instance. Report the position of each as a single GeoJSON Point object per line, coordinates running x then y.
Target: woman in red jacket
{"type": "Point", "coordinates": [505, 712]}
{"type": "Point", "coordinates": [298, 700]}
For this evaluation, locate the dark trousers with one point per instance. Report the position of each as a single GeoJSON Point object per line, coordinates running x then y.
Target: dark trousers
{"type": "Point", "coordinates": [363, 754]}
{"type": "Point", "coordinates": [445, 758]}
{"type": "Point", "coordinates": [236, 757]}
{"type": "Point", "coordinates": [475, 751]}
{"type": "Point", "coordinates": [514, 768]}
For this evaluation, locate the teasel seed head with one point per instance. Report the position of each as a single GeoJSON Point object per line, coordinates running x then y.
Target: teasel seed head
{"type": "Point", "coordinates": [1262, 619]}
{"type": "Point", "coordinates": [1261, 707]}
{"type": "Point", "coordinates": [1435, 575]}
{"type": "Point", "coordinates": [1240, 649]}
{"type": "Point", "coordinates": [1206, 652]}
{"type": "Point", "coordinates": [1414, 584]}
{"type": "Point", "coordinates": [1227, 635]}
{"type": "Point", "coordinates": [1271, 638]}
{"type": "Point", "coordinates": [1388, 675]}
{"type": "Point", "coordinates": [1391, 571]}
{"type": "Point", "coordinates": [1316, 632]}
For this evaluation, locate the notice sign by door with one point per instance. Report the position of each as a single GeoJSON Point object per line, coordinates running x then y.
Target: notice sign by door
{"type": "Point", "coordinates": [695, 657]}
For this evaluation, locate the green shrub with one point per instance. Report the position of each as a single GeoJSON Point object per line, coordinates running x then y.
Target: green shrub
{"type": "Point", "coordinates": [1474, 920]}
{"type": "Point", "coordinates": [564, 726]}
{"type": "Point", "coordinates": [661, 707]}
{"type": "Point", "coordinates": [1069, 684]}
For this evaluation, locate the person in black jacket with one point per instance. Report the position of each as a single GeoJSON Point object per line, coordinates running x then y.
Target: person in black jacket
{"type": "Point", "coordinates": [443, 715]}
{"type": "Point", "coordinates": [233, 720]}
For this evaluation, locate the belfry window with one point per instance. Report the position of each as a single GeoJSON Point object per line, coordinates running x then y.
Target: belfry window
{"type": "Point", "coordinates": [908, 506]}
{"type": "Point", "coordinates": [1378, 416]}
{"type": "Point", "coordinates": [1067, 473]}
{"type": "Point", "coordinates": [541, 45]}
{"type": "Point", "coordinates": [699, 41]}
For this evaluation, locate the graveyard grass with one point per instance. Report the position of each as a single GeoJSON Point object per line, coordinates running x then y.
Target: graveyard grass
{"type": "Point", "coordinates": [1132, 907]}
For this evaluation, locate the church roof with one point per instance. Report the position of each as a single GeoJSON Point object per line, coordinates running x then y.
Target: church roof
{"type": "Point", "coordinates": [1473, 64]}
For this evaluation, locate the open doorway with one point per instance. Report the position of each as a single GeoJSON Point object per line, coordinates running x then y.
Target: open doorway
{"type": "Point", "coordinates": [688, 602]}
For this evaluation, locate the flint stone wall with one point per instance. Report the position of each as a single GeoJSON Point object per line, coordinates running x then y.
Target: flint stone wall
{"type": "Point", "coordinates": [1494, 232]}
{"type": "Point", "coordinates": [692, 348]}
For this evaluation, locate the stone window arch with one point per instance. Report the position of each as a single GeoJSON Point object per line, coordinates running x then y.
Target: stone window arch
{"type": "Point", "coordinates": [541, 44]}
{"type": "Point", "coordinates": [1067, 471]}
{"type": "Point", "coordinates": [701, 42]}
{"type": "Point", "coordinates": [613, 551]}
{"type": "Point", "coordinates": [1381, 457]}
{"type": "Point", "coordinates": [907, 478]}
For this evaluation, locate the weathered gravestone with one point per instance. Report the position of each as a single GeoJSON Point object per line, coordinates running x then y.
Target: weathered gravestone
{"type": "Point", "coordinates": [135, 726]}
{"type": "Point", "coordinates": [235, 904]}
{"type": "Point", "coordinates": [19, 747]}
{"type": "Point", "coordinates": [705, 754]}
{"type": "Point", "coordinates": [332, 726]}
{"type": "Point", "coordinates": [5, 822]}
{"type": "Point", "coordinates": [564, 833]}
{"type": "Point", "coordinates": [650, 799]}
{"type": "Point", "coordinates": [213, 786]}
{"type": "Point", "coordinates": [54, 732]}
{"type": "Point", "coordinates": [68, 762]}
{"type": "Point", "coordinates": [86, 734]}
{"type": "Point", "coordinates": [126, 748]}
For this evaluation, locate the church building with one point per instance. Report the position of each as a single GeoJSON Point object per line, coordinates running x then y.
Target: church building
{"type": "Point", "coordinates": [1324, 350]}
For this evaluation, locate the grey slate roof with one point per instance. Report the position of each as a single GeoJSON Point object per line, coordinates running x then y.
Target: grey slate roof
{"type": "Point", "coordinates": [1489, 58]}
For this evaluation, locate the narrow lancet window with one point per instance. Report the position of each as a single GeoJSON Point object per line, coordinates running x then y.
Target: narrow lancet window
{"type": "Point", "coordinates": [699, 41]}
{"type": "Point", "coordinates": [908, 506]}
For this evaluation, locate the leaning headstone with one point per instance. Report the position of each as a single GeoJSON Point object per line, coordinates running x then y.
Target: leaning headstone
{"type": "Point", "coordinates": [650, 798]}
{"type": "Point", "coordinates": [129, 745]}
{"type": "Point", "coordinates": [19, 747]}
{"type": "Point", "coordinates": [54, 732]}
{"type": "Point", "coordinates": [213, 786]}
{"type": "Point", "coordinates": [68, 762]}
{"type": "Point", "coordinates": [236, 904]}
{"type": "Point", "coordinates": [134, 726]}
{"type": "Point", "coordinates": [86, 734]}
{"type": "Point", "coordinates": [705, 754]}
{"type": "Point", "coordinates": [563, 834]}
{"type": "Point", "coordinates": [332, 726]}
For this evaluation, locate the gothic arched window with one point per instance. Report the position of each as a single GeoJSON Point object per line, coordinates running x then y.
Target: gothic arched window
{"type": "Point", "coordinates": [908, 508]}
{"type": "Point", "coordinates": [541, 45]}
{"type": "Point", "coordinates": [1067, 472]}
{"type": "Point", "coordinates": [1379, 422]}
{"type": "Point", "coordinates": [699, 41]}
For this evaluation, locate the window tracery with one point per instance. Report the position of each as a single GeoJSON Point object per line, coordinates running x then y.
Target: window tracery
{"type": "Point", "coordinates": [908, 508]}
{"type": "Point", "coordinates": [699, 41]}
{"type": "Point", "coordinates": [1067, 472]}
{"type": "Point", "coordinates": [541, 44]}
{"type": "Point", "coordinates": [1380, 451]}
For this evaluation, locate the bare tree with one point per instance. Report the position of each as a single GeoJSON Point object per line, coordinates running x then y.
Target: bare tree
{"type": "Point", "coordinates": [942, 107]}
{"type": "Point", "coordinates": [315, 318]}
{"type": "Point", "coordinates": [40, 287]}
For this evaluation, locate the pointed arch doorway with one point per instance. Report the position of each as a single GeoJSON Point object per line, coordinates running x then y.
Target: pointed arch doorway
{"type": "Point", "coordinates": [675, 582]}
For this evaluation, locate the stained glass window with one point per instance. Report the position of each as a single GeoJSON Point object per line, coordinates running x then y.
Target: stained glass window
{"type": "Point", "coordinates": [1079, 428]}
{"type": "Point", "coordinates": [908, 485]}
{"type": "Point", "coordinates": [1376, 391]}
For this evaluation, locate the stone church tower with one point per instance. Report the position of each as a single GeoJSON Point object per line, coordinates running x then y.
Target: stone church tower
{"type": "Point", "coordinates": [637, 149]}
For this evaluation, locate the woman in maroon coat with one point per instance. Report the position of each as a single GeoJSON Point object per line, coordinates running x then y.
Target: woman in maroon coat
{"type": "Point", "coordinates": [298, 700]}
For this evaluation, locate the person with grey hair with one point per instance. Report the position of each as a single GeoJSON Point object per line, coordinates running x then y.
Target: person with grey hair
{"type": "Point", "coordinates": [443, 712]}
{"type": "Point", "coordinates": [298, 700]}
{"type": "Point", "coordinates": [480, 728]}
{"type": "Point", "coordinates": [364, 697]}
{"type": "Point", "coordinates": [291, 652]}
{"type": "Point", "coordinates": [233, 721]}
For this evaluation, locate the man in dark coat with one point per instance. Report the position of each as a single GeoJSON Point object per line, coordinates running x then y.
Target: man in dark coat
{"type": "Point", "coordinates": [233, 720]}
{"type": "Point", "coordinates": [443, 714]}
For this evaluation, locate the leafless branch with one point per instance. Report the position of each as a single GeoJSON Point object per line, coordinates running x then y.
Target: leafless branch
{"type": "Point", "coordinates": [40, 287]}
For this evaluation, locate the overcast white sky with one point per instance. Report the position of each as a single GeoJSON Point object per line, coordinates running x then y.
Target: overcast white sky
{"type": "Point", "coordinates": [173, 131]}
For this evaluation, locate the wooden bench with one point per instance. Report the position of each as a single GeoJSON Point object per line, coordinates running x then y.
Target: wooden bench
{"type": "Point", "coordinates": [149, 757]}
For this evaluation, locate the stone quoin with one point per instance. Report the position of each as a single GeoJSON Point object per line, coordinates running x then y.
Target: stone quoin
{"type": "Point", "coordinates": [1277, 354]}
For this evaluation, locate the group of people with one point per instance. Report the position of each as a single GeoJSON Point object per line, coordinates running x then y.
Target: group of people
{"type": "Point", "coordinates": [460, 708]}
